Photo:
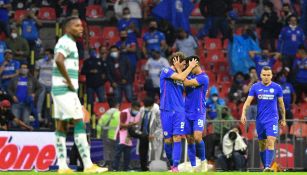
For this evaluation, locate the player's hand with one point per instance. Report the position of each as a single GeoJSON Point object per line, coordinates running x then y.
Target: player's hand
{"type": "Point", "coordinates": [176, 62]}
{"type": "Point", "coordinates": [243, 119]}
{"type": "Point", "coordinates": [15, 99]}
{"type": "Point", "coordinates": [282, 123]}
{"type": "Point", "coordinates": [193, 63]}
{"type": "Point", "coordinates": [70, 85]}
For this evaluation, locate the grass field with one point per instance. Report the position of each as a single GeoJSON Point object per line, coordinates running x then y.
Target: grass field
{"type": "Point", "coordinates": [161, 173]}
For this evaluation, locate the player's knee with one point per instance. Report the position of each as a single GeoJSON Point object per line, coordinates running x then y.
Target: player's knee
{"type": "Point", "coordinates": [270, 143]}
{"type": "Point", "coordinates": [190, 139]}
{"type": "Point", "coordinates": [198, 137]}
{"type": "Point", "coordinates": [262, 145]}
{"type": "Point", "coordinates": [168, 141]}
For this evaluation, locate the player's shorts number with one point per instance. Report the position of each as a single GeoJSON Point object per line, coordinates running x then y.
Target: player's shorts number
{"type": "Point", "coordinates": [200, 122]}
{"type": "Point", "coordinates": [182, 125]}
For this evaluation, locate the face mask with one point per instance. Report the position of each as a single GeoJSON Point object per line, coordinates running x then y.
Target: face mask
{"type": "Point", "coordinates": [123, 38]}
{"type": "Point", "coordinates": [14, 35]}
{"type": "Point", "coordinates": [215, 98]}
{"type": "Point", "coordinates": [292, 26]}
{"type": "Point", "coordinates": [114, 54]}
{"type": "Point", "coordinates": [24, 71]}
{"type": "Point", "coordinates": [239, 80]}
{"type": "Point", "coordinates": [128, 16]}
{"type": "Point", "coordinates": [283, 79]}
{"type": "Point", "coordinates": [134, 112]}
{"type": "Point", "coordinates": [152, 28]}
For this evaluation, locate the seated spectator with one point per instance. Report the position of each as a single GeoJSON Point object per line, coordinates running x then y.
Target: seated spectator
{"type": "Point", "coordinates": [224, 119]}
{"type": "Point", "coordinates": [213, 102]}
{"type": "Point", "coordinates": [234, 152]}
{"type": "Point", "coordinates": [107, 127]}
{"type": "Point", "coordinates": [253, 78]}
{"type": "Point", "coordinates": [6, 117]}
{"type": "Point", "coordinates": [9, 69]}
{"type": "Point", "coordinates": [133, 5]}
{"type": "Point", "coordinates": [300, 72]}
{"type": "Point", "coordinates": [131, 25]}
{"type": "Point", "coordinates": [128, 117]}
{"type": "Point", "coordinates": [2, 49]}
{"type": "Point", "coordinates": [5, 7]}
{"type": "Point", "coordinates": [290, 38]}
{"type": "Point", "coordinates": [153, 68]}
{"type": "Point", "coordinates": [236, 94]}
{"type": "Point", "coordinates": [153, 39]}
{"type": "Point", "coordinates": [30, 30]}
{"type": "Point", "coordinates": [24, 90]}
{"type": "Point", "coordinates": [128, 48]}
{"type": "Point", "coordinates": [119, 74]}
{"type": "Point", "coordinates": [95, 72]}
{"type": "Point", "coordinates": [266, 58]}
{"type": "Point", "coordinates": [186, 43]}
{"type": "Point", "coordinates": [18, 45]}
{"type": "Point", "coordinates": [170, 34]}
{"type": "Point", "coordinates": [43, 72]}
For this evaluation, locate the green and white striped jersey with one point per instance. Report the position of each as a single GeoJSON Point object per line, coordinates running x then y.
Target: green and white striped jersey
{"type": "Point", "coordinates": [66, 46]}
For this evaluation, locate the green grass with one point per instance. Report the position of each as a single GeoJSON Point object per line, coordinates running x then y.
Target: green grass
{"type": "Point", "coordinates": [160, 173]}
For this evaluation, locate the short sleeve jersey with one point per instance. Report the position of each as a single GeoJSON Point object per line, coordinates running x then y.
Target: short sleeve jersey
{"type": "Point", "coordinates": [267, 98]}
{"type": "Point", "coordinates": [66, 46]}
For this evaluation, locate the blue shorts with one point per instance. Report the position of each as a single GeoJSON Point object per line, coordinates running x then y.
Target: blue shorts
{"type": "Point", "coordinates": [194, 122]}
{"type": "Point", "coordinates": [172, 123]}
{"type": "Point", "coordinates": [267, 128]}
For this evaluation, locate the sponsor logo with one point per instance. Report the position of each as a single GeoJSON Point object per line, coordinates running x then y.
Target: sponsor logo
{"type": "Point", "coordinates": [272, 90]}
{"type": "Point", "coordinates": [265, 97]}
{"type": "Point", "coordinates": [165, 133]}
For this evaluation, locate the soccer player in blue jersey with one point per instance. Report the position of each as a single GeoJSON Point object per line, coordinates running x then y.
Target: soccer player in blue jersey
{"type": "Point", "coordinates": [172, 106]}
{"type": "Point", "coordinates": [267, 93]}
{"type": "Point", "coordinates": [195, 113]}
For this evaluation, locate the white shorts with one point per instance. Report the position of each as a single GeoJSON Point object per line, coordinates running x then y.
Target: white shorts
{"type": "Point", "coordinates": [67, 106]}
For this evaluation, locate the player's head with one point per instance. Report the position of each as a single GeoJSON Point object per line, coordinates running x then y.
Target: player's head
{"type": "Point", "coordinates": [181, 57]}
{"type": "Point", "coordinates": [266, 75]}
{"type": "Point", "coordinates": [197, 68]}
{"type": "Point", "coordinates": [182, 33]}
{"type": "Point", "coordinates": [73, 26]}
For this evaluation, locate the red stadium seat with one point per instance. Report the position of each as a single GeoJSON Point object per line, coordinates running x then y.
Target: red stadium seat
{"type": "Point", "coordinates": [238, 7]}
{"type": "Point", "coordinates": [124, 105]}
{"type": "Point", "coordinates": [82, 78]}
{"type": "Point", "coordinates": [221, 67]}
{"type": "Point", "coordinates": [297, 112]}
{"type": "Point", "coordinates": [100, 108]}
{"type": "Point", "coordinates": [110, 34]}
{"type": "Point", "coordinates": [250, 9]}
{"type": "Point", "coordinates": [94, 31]}
{"type": "Point", "coordinates": [224, 77]}
{"type": "Point", "coordinates": [225, 44]}
{"type": "Point", "coordinates": [19, 14]}
{"type": "Point", "coordinates": [95, 42]}
{"type": "Point", "coordinates": [94, 11]}
{"type": "Point", "coordinates": [299, 129]}
{"type": "Point", "coordinates": [213, 44]}
{"type": "Point", "coordinates": [196, 10]}
{"type": "Point", "coordinates": [108, 88]}
{"type": "Point", "coordinates": [46, 13]}
{"type": "Point", "coordinates": [214, 56]}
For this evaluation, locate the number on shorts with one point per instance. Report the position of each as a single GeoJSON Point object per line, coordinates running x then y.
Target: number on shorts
{"type": "Point", "coordinates": [182, 125]}
{"type": "Point", "coordinates": [200, 122]}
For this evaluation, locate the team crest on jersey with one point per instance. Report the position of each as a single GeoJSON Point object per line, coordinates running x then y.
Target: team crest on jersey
{"type": "Point", "coordinates": [165, 133]}
{"type": "Point", "coordinates": [165, 70]}
{"type": "Point", "coordinates": [271, 90]}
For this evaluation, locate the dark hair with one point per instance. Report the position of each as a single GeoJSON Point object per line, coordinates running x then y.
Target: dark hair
{"type": "Point", "coordinates": [49, 50]}
{"type": "Point", "coordinates": [291, 16]}
{"type": "Point", "coordinates": [251, 68]}
{"type": "Point", "coordinates": [190, 58]}
{"type": "Point", "coordinates": [24, 63]}
{"type": "Point", "coordinates": [267, 68]}
{"type": "Point", "coordinates": [112, 102]}
{"type": "Point", "coordinates": [67, 20]}
{"type": "Point", "coordinates": [148, 101]}
{"type": "Point", "coordinates": [114, 46]}
{"type": "Point", "coordinates": [232, 135]}
{"type": "Point", "coordinates": [135, 104]}
{"type": "Point", "coordinates": [126, 8]}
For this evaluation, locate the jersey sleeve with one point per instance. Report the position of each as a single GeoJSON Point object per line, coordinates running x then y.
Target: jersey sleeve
{"type": "Point", "coordinates": [167, 72]}
{"type": "Point", "coordinates": [252, 91]}
{"type": "Point", "coordinates": [202, 80]}
{"type": "Point", "coordinates": [291, 88]}
{"type": "Point", "coordinates": [279, 91]}
{"type": "Point", "coordinates": [62, 48]}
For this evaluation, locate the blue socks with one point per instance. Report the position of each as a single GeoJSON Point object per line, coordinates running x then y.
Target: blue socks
{"type": "Point", "coordinates": [169, 150]}
{"type": "Point", "coordinates": [176, 153]}
{"type": "Point", "coordinates": [269, 155]}
{"type": "Point", "coordinates": [201, 150]}
{"type": "Point", "coordinates": [191, 153]}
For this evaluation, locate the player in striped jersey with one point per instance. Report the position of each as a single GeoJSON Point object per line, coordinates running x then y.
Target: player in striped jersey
{"type": "Point", "coordinates": [66, 102]}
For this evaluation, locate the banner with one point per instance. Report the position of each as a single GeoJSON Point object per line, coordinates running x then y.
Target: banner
{"type": "Point", "coordinates": [27, 150]}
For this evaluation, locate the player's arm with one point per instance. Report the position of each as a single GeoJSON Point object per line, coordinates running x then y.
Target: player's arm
{"type": "Point", "coordinates": [245, 107]}
{"type": "Point", "coordinates": [192, 82]}
{"type": "Point", "coordinates": [59, 60]}
{"type": "Point", "coordinates": [282, 110]}
{"type": "Point", "coordinates": [183, 75]}
{"type": "Point", "coordinates": [252, 54]}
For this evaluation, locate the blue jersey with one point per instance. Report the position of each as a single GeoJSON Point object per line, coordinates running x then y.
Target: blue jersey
{"type": "Point", "coordinates": [153, 40]}
{"type": "Point", "coordinates": [2, 49]}
{"type": "Point", "coordinates": [171, 92]}
{"type": "Point", "coordinates": [287, 91]}
{"type": "Point", "coordinates": [132, 56]}
{"type": "Point", "coordinates": [261, 62]}
{"type": "Point", "coordinates": [10, 69]}
{"type": "Point", "coordinates": [300, 66]}
{"type": "Point", "coordinates": [123, 24]}
{"type": "Point", "coordinates": [290, 40]}
{"type": "Point", "coordinates": [29, 29]}
{"type": "Point", "coordinates": [266, 97]}
{"type": "Point", "coordinates": [196, 96]}
{"type": "Point", "coordinates": [4, 13]}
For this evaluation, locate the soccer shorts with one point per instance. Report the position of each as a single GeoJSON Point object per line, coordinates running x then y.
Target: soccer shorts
{"type": "Point", "coordinates": [267, 128]}
{"type": "Point", "coordinates": [67, 106]}
{"type": "Point", "coordinates": [194, 122]}
{"type": "Point", "coordinates": [172, 123]}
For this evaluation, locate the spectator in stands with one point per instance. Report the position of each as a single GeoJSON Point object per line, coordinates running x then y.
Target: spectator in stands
{"type": "Point", "coordinates": [269, 26]}
{"type": "Point", "coordinates": [6, 117]}
{"type": "Point", "coordinates": [288, 94]}
{"type": "Point", "coordinates": [290, 38]}
{"type": "Point", "coordinates": [153, 39]}
{"type": "Point", "coordinates": [128, 117]}
{"type": "Point", "coordinates": [253, 78]}
{"type": "Point", "coordinates": [18, 45]}
{"type": "Point", "coordinates": [259, 10]}
{"type": "Point", "coordinates": [9, 69]}
{"type": "Point", "coordinates": [106, 129]}
{"type": "Point", "coordinates": [133, 5]}
{"type": "Point", "coordinates": [3, 47]}
{"type": "Point", "coordinates": [150, 144]}
{"type": "Point", "coordinates": [266, 58]}
{"type": "Point", "coordinates": [285, 13]}
{"type": "Point", "coordinates": [215, 12]}
{"type": "Point", "coordinates": [131, 25]}
{"type": "Point", "coordinates": [236, 94]}
{"type": "Point", "coordinates": [24, 89]}
{"type": "Point", "coordinates": [128, 48]}
{"type": "Point", "coordinates": [119, 74]}
{"type": "Point", "coordinates": [224, 119]}
{"type": "Point", "coordinates": [300, 72]}
{"type": "Point", "coordinates": [186, 43]}
{"type": "Point", "coordinates": [43, 72]}
{"type": "Point", "coordinates": [153, 68]}
{"type": "Point", "coordinates": [82, 42]}
{"type": "Point", "coordinates": [95, 72]}
{"type": "Point", "coordinates": [4, 95]}
{"type": "Point", "coordinates": [5, 6]}
{"type": "Point", "coordinates": [30, 29]}
{"type": "Point", "coordinates": [80, 5]}
{"type": "Point", "coordinates": [170, 34]}
{"type": "Point", "coordinates": [234, 152]}
{"type": "Point", "coordinates": [213, 102]}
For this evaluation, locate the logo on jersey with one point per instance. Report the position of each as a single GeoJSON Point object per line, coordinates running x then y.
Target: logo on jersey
{"type": "Point", "coordinates": [165, 133]}
{"type": "Point", "coordinates": [265, 97]}
{"type": "Point", "coordinates": [272, 90]}
{"type": "Point", "coordinates": [165, 70]}
{"type": "Point", "coordinates": [260, 90]}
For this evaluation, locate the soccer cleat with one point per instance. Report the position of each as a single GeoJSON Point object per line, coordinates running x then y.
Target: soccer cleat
{"type": "Point", "coordinates": [95, 169]}
{"type": "Point", "coordinates": [65, 171]}
{"type": "Point", "coordinates": [175, 169]}
{"type": "Point", "coordinates": [204, 166]}
{"type": "Point", "coordinates": [194, 170]}
{"type": "Point", "coordinates": [267, 169]}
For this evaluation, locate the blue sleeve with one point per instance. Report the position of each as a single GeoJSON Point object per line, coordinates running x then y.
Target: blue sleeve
{"type": "Point", "coordinates": [272, 62]}
{"type": "Point", "coordinates": [291, 88]}
{"type": "Point", "coordinates": [279, 91]}
{"type": "Point", "coordinates": [17, 65]}
{"type": "Point", "coordinates": [252, 91]}
{"type": "Point", "coordinates": [145, 37]}
{"type": "Point", "coordinates": [167, 72]}
{"type": "Point", "coordinates": [202, 80]}
{"type": "Point", "coordinates": [280, 40]}
{"type": "Point", "coordinates": [119, 24]}
{"type": "Point", "coordinates": [161, 36]}
{"type": "Point", "coordinates": [256, 58]}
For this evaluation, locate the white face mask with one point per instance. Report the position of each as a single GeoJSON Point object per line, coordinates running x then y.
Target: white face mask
{"type": "Point", "coordinates": [14, 35]}
{"type": "Point", "coordinates": [114, 54]}
{"type": "Point", "coordinates": [127, 16]}
{"type": "Point", "coordinates": [215, 98]}
{"type": "Point", "coordinates": [292, 26]}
